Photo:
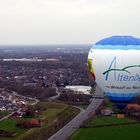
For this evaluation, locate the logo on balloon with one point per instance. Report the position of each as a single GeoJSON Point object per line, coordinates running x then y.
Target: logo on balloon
{"type": "Point", "coordinates": [91, 68]}
{"type": "Point", "coordinates": [125, 74]}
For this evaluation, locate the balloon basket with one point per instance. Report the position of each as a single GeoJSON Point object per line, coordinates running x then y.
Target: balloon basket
{"type": "Point", "coordinates": [120, 105]}
{"type": "Point", "coordinates": [120, 108]}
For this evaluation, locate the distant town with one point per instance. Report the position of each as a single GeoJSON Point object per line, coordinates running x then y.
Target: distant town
{"type": "Point", "coordinates": [44, 90]}
{"type": "Point", "coordinates": [32, 78]}
{"type": "Point", "coordinates": [35, 67]}
{"type": "Point", "coordinates": [39, 72]}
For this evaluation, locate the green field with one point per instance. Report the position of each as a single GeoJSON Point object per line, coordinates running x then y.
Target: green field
{"type": "Point", "coordinates": [48, 115]}
{"type": "Point", "coordinates": [60, 117]}
{"type": "Point", "coordinates": [109, 120]}
{"type": "Point", "coordinates": [121, 132]}
{"type": "Point", "coordinates": [3, 113]}
{"type": "Point", "coordinates": [50, 111]}
{"type": "Point", "coordinates": [10, 125]}
{"type": "Point", "coordinates": [126, 132]}
{"type": "Point", "coordinates": [82, 106]}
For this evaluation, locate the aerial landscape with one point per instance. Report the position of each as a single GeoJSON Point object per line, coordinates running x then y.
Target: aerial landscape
{"type": "Point", "coordinates": [69, 70]}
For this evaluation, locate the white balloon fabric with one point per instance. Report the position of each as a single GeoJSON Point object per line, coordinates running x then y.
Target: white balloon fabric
{"type": "Point", "coordinates": [114, 63]}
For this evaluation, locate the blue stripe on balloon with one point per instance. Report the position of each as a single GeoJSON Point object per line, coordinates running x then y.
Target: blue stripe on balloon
{"type": "Point", "coordinates": [121, 96]}
{"type": "Point", "coordinates": [116, 47]}
{"type": "Point", "coordinates": [119, 40]}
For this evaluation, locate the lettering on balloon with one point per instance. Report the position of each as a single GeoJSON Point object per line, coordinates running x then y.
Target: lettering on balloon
{"type": "Point", "coordinates": [122, 74]}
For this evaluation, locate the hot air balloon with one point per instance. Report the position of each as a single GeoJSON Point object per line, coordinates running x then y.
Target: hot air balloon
{"type": "Point", "coordinates": [114, 64]}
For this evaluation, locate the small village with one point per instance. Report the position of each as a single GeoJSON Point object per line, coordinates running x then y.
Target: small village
{"type": "Point", "coordinates": [13, 103]}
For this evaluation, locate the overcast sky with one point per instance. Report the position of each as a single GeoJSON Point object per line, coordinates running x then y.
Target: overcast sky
{"type": "Point", "coordinates": [66, 21]}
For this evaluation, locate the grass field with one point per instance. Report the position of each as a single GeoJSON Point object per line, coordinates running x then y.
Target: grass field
{"type": "Point", "coordinates": [126, 132]}
{"type": "Point", "coordinates": [109, 120]}
{"type": "Point", "coordinates": [48, 115]}
{"type": "Point", "coordinates": [10, 125]}
{"type": "Point", "coordinates": [83, 106]}
{"type": "Point", "coordinates": [122, 132]}
{"type": "Point", "coordinates": [60, 117]}
{"type": "Point", "coordinates": [3, 113]}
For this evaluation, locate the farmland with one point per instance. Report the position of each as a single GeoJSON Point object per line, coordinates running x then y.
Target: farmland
{"type": "Point", "coordinates": [126, 132]}
{"type": "Point", "coordinates": [50, 113]}
{"type": "Point", "coordinates": [117, 131]}
{"type": "Point", "coordinates": [99, 121]}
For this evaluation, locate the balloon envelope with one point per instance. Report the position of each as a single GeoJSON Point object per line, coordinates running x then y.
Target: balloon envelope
{"type": "Point", "coordinates": [114, 63]}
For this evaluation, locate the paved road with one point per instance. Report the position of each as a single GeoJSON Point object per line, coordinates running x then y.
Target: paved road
{"type": "Point", "coordinates": [6, 117]}
{"type": "Point", "coordinates": [57, 96]}
{"type": "Point", "coordinates": [30, 98]}
{"type": "Point", "coordinates": [80, 108]}
{"type": "Point", "coordinates": [74, 124]}
{"type": "Point", "coordinates": [54, 97]}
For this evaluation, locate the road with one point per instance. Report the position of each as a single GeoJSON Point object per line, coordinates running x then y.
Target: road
{"type": "Point", "coordinates": [83, 116]}
{"type": "Point", "coordinates": [30, 98]}
{"type": "Point", "coordinates": [57, 96]}
{"type": "Point", "coordinates": [54, 97]}
{"type": "Point", "coordinates": [6, 117]}
{"type": "Point", "coordinates": [80, 108]}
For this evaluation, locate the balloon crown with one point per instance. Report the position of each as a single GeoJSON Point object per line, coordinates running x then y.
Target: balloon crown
{"type": "Point", "coordinates": [119, 40]}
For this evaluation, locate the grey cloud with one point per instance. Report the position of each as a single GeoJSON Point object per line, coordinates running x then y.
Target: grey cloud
{"type": "Point", "coordinates": [66, 21]}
